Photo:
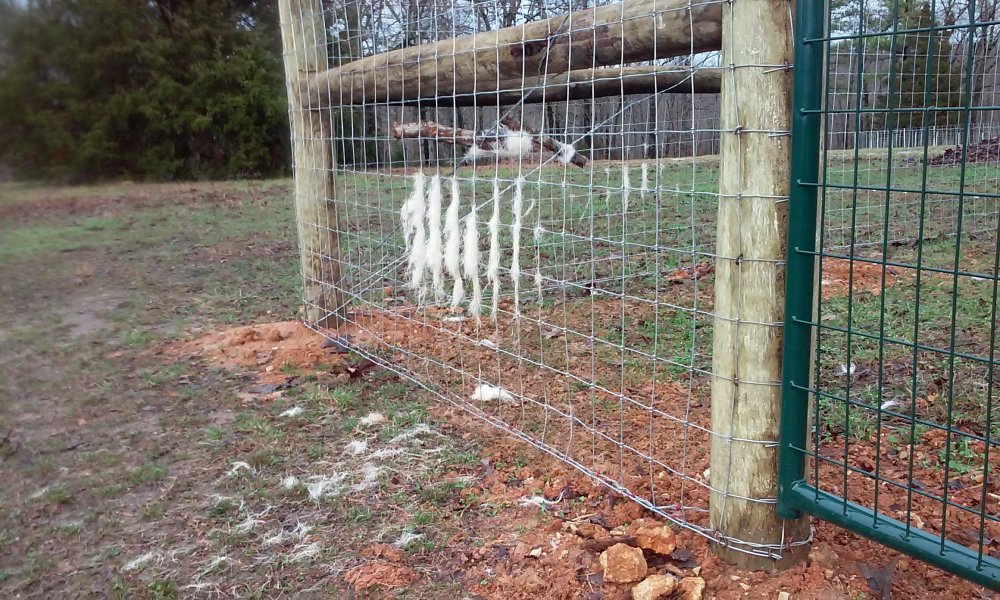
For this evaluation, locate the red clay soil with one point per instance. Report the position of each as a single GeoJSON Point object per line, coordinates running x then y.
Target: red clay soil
{"type": "Point", "coordinates": [557, 561]}
{"type": "Point", "coordinates": [987, 150]}
{"type": "Point", "coordinates": [839, 276]}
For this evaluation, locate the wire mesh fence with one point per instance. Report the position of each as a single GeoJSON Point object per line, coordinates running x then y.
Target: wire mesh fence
{"type": "Point", "coordinates": [525, 223]}
{"type": "Point", "coordinates": [904, 372]}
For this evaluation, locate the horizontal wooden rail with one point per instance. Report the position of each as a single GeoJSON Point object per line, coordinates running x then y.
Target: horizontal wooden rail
{"type": "Point", "coordinates": [627, 32]}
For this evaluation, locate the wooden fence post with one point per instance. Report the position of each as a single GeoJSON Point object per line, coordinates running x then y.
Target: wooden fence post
{"type": "Point", "coordinates": [750, 286]}
{"type": "Point", "coordinates": [303, 37]}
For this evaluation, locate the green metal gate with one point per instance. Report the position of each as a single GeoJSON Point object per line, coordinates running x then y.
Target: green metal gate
{"type": "Point", "coordinates": [891, 359]}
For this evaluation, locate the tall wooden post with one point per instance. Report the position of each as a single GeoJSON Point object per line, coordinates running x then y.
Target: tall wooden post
{"type": "Point", "coordinates": [750, 285]}
{"type": "Point", "coordinates": [303, 37]}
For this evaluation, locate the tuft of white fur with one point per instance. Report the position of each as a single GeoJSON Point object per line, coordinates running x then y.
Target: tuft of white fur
{"type": "Point", "coordinates": [453, 245]}
{"type": "Point", "coordinates": [238, 466]}
{"type": "Point", "coordinates": [626, 189]}
{"type": "Point", "coordinates": [485, 392]}
{"type": "Point", "coordinates": [515, 261]}
{"type": "Point", "coordinates": [304, 552]}
{"type": "Point", "coordinates": [250, 522]}
{"type": "Point", "coordinates": [470, 261]}
{"type": "Point", "coordinates": [493, 263]}
{"type": "Point", "coordinates": [414, 432]}
{"type": "Point", "coordinates": [321, 485]}
{"type": "Point", "coordinates": [407, 213]}
{"type": "Point", "coordinates": [384, 453]}
{"type": "Point", "coordinates": [566, 153]}
{"type": "Point", "coordinates": [372, 418]}
{"type": "Point", "coordinates": [292, 412]}
{"type": "Point", "coordinates": [356, 447]}
{"type": "Point", "coordinates": [517, 144]}
{"type": "Point", "coordinates": [644, 185]}
{"type": "Point", "coordinates": [370, 475]}
{"type": "Point", "coordinates": [432, 256]}
{"type": "Point", "coordinates": [290, 482]}
{"type": "Point", "coordinates": [418, 247]}
{"type": "Point", "coordinates": [141, 560]}
{"type": "Point", "coordinates": [407, 538]}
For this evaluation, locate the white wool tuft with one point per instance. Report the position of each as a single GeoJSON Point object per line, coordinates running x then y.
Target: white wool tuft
{"type": "Point", "coordinates": [356, 447]}
{"type": "Point", "coordinates": [433, 256]}
{"type": "Point", "coordinates": [407, 538]}
{"type": "Point", "coordinates": [406, 214]}
{"type": "Point", "coordinates": [470, 261]}
{"type": "Point", "coordinates": [485, 392]}
{"type": "Point", "coordinates": [418, 247]}
{"type": "Point", "coordinates": [474, 153]}
{"type": "Point", "coordinates": [644, 186]}
{"type": "Point", "coordinates": [538, 283]}
{"type": "Point", "coordinates": [566, 153]}
{"type": "Point", "coordinates": [626, 189]}
{"type": "Point", "coordinates": [517, 144]}
{"type": "Point", "coordinates": [290, 482]}
{"type": "Point", "coordinates": [493, 264]}
{"type": "Point", "coordinates": [515, 261]}
{"type": "Point", "coordinates": [453, 246]}
{"type": "Point", "coordinates": [292, 412]}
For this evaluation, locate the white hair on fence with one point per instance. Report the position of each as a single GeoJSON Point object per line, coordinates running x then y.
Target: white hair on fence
{"type": "Point", "coordinates": [453, 245]}
{"type": "Point", "coordinates": [470, 263]}
{"type": "Point", "coordinates": [644, 186]}
{"type": "Point", "coordinates": [515, 261]}
{"type": "Point", "coordinates": [418, 247]}
{"type": "Point", "coordinates": [407, 212]}
{"type": "Point", "coordinates": [566, 153]}
{"type": "Point", "coordinates": [626, 189]}
{"type": "Point", "coordinates": [433, 256]}
{"type": "Point", "coordinates": [493, 264]}
{"type": "Point", "coordinates": [517, 144]}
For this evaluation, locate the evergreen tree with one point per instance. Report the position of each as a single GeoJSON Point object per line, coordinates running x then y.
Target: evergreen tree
{"type": "Point", "coordinates": [158, 89]}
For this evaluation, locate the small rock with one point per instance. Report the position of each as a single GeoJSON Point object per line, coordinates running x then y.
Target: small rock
{"type": "Point", "coordinates": [828, 573]}
{"type": "Point", "coordinates": [660, 540]}
{"type": "Point", "coordinates": [784, 596]}
{"type": "Point", "coordinates": [696, 571]}
{"type": "Point", "coordinates": [623, 564]}
{"type": "Point", "coordinates": [654, 587]}
{"type": "Point", "coordinates": [592, 531]}
{"type": "Point", "coordinates": [691, 588]}
{"type": "Point", "coordinates": [745, 586]}
{"type": "Point", "coordinates": [536, 552]}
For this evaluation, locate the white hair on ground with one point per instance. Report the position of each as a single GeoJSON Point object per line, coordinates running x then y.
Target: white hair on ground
{"type": "Point", "coordinates": [290, 482]}
{"type": "Point", "coordinates": [626, 189]}
{"type": "Point", "coordinates": [141, 560]}
{"type": "Point", "coordinates": [418, 246]}
{"type": "Point", "coordinates": [356, 447]}
{"type": "Point", "coordinates": [485, 392]}
{"type": "Point", "coordinates": [453, 245]}
{"type": "Point", "coordinates": [292, 412]}
{"type": "Point", "coordinates": [470, 261]}
{"type": "Point", "coordinates": [238, 466]}
{"type": "Point", "coordinates": [407, 212]}
{"type": "Point", "coordinates": [515, 260]}
{"type": "Point", "coordinates": [323, 485]}
{"type": "Point", "coordinates": [644, 185]}
{"type": "Point", "coordinates": [407, 538]}
{"type": "Point", "coordinates": [493, 264]}
{"type": "Point", "coordinates": [432, 257]}
{"type": "Point", "coordinates": [305, 552]}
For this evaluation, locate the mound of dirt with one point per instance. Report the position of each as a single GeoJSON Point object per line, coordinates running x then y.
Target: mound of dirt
{"type": "Point", "coordinates": [841, 276]}
{"type": "Point", "coordinates": [987, 150]}
{"type": "Point", "coordinates": [259, 346]}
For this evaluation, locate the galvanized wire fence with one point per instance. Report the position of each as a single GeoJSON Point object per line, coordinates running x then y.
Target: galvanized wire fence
{"type": "Point", "coordinates": [539, 249]}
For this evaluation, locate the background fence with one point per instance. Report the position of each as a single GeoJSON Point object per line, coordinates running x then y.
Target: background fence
{"type": "Point", "coordinates": [582, 242]}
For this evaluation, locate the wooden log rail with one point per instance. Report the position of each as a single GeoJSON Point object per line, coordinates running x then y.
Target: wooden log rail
{"type": "Point", "coordinates": [627, 32]}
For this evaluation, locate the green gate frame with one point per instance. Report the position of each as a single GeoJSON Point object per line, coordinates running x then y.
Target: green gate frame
{"type": "Point", "coordinates": [795, 494]}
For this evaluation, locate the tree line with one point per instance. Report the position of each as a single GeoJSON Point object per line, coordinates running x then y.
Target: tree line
{"type": "Point", "coordinates": [141, 89]}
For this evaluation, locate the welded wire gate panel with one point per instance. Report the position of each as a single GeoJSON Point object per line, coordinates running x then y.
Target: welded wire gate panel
{"type": "Point", "coordinates": [901, 302]}
{"type": "Point", "coordinates": [537, 249]}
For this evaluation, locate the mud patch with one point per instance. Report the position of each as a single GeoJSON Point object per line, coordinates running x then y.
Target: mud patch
{"type": "Point", "coordinates": [87, 314]}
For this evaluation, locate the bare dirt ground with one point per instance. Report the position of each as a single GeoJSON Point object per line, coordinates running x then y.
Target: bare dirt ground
{"type": "Point", "coordinates": [168, 430]}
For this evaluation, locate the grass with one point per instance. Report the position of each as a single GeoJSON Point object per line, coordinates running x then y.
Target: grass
{"type": "Point", "coordinates": [159, 434]}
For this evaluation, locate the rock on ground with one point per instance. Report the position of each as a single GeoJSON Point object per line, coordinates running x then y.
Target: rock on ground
{"type": "Point", "coordinates": [660, 540]}
{"type": "Point", "coordinates": [691, 588]}
{"type": "Point", "coordinates": [623, 564]}
{"type": "Point", "coordinates": [654, 587]}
